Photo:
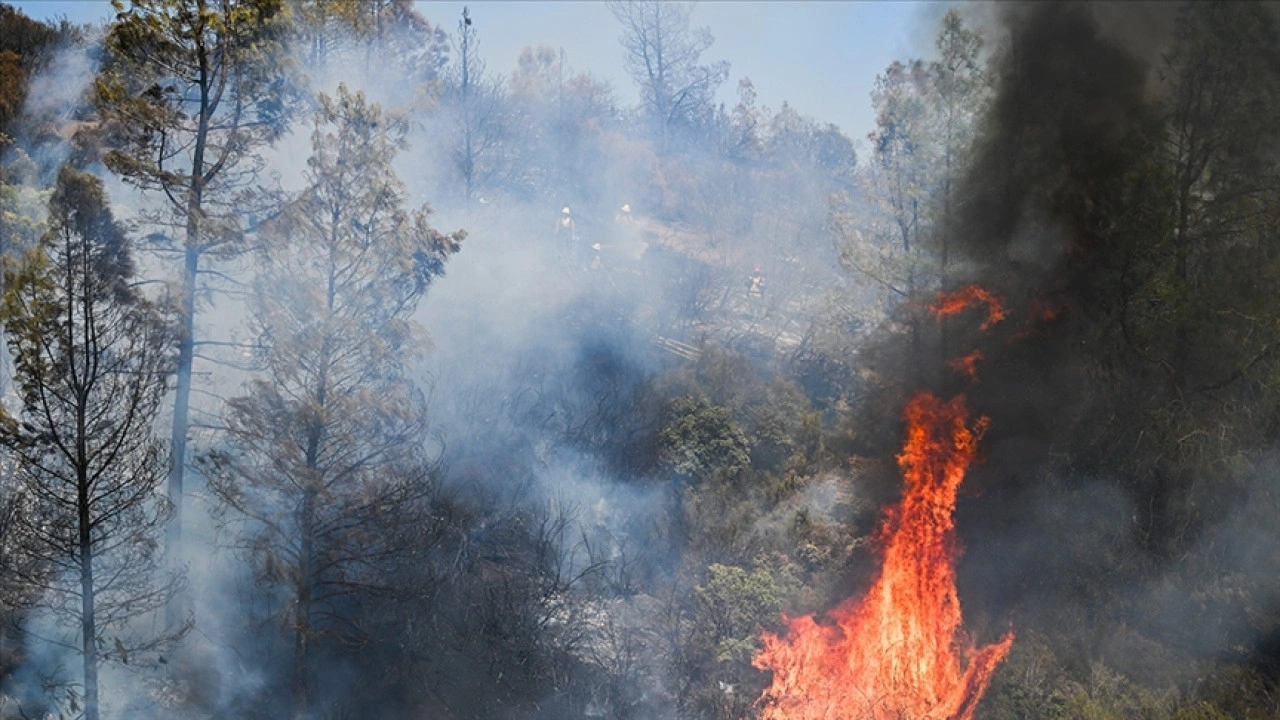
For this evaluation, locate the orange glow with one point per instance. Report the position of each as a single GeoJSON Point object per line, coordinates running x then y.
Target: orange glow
{"type": "Point", "coordinates": [1041, 316]}
{"type": "Point", "coordinates": [954, 302]}
{"type": "Point", "coordinates": [967, 365]}
{"type": "Point", "coordinates": [1049, 313]}
{"type": "Point", "coordinates": [900, 651]}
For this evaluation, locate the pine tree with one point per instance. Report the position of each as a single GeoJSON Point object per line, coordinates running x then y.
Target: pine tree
{"type": "Point", "coordinates": [958, 85]}
{"type": "Point", "coordinates": [91, 364]}
{"type": "Point", "coordinates": [189, 89]}
{"type": "Point", "coordinates": [325, 458]}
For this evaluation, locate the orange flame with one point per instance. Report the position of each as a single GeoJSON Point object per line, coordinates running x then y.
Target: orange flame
{"type": "Point", "coordinates": [900, 651]}
{"type": "Point", "coordinates": [967, 365]}
{"type": "Point", "coordinates": [954, 302]}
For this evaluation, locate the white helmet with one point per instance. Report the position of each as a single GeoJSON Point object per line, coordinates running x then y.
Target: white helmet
{"type": "Point", "coordinates": [565, 211]}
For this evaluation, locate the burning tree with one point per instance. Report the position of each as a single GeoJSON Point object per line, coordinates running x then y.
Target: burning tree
{"type": "Point", "coordinates": [324, 459]}
{"type": "Point", "coordinates": [91, 364]}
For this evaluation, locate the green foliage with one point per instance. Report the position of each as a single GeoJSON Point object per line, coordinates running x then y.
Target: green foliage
{"type": "Point", "coordinates": [738, 603]}
{"type": "Point", "coordinates": [732, 606]}
{"type": "Point", "coordinates": [26, 38]}
{"type": "Point", "coordinates": [1108, 695]}
{"type": "Point", "coordinates": [23, 210]}
{"type": "Point", "coordinates": [1138, 504]}
{"type": "Point", "coordinates": [701, 441]}
{"type": "Point", "coordinates": [1032, 684]}
{"type": "Point", "coordinates": [186, 93]}
{"type": "Point", "coordinates": [13, 88]}
{"type": "Point", "coordinates": [26, 46]}
{"type": "Point", "coordinates": [331, 32]}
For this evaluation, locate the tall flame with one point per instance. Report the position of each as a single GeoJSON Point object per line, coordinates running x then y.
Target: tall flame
{"type": "Point", "coordinates": [899, 652]}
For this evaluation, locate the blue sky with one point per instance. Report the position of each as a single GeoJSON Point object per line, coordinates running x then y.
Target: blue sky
{"type": "Point", "coordinates": [821, 57]}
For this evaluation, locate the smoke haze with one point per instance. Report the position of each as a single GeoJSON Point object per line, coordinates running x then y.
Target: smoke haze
{"type": "Point", "coordinates": [652, 429]}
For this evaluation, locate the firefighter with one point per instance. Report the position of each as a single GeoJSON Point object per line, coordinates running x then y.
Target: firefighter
{"type": "Point", "coordinates": [566, 235]}
{"type": "Point", "coordinates": [755, 285]}
{"type": "Point", "coordinates": [755, 294]}
{"type": "Point", "coordinates": [628, 239]}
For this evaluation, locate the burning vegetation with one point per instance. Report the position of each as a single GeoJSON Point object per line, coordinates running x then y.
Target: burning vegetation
{"type": "Point", "coordinates": [957, 301]}
{"type": "Point", "coordinates": [900, 651]}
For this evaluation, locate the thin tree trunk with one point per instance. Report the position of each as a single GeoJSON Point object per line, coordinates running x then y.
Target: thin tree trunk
{"type": "Point", "coordinates": [88, 621]}
{"type": "Point", "coordinates": [302, 597]}
{"type": "Point", "coordinates": [302, 616]}
{"type": "Point", "coordinates": [944, 280]}
{"type": "Point", "coordinates": [178, 440]}
{"type": "Point", "coordinates": [306, 528]}
{"type": "Point", "coordinates": [88, 626]}
{"type": "Point", "coordinates": [1179, 359]}
{"type": "Point", "coordinates": [177, 608]}
{"type": "Point", "coordinates": [468, 158]}
{"type": "Point", "coordinates": [80, 381]}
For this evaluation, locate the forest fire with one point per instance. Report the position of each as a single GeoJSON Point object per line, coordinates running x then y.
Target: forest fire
{"type": "Point", "coordinates": [957, 301]}
{"type": "Point", "coordinates": [436, 350]}
{"type": "Point", "coordinates": [900, 651]}
{"type": "Point", "coordinates": [967, 365]}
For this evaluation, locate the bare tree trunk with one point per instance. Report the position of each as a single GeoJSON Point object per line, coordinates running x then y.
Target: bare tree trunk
{"type": "Point", "coordinates": [88, 624]}
{"type": "Point", "coordinates": [181, 407]}
{"type": "Point", "coordinates": [177, 608]}
{"type": "Point", "coordinates": [468, 158]}
{"type": "Point", "coordinates": [84, 517]}
{"type": "Point", "coordinates": [1182, 249]}
{"type": "Point", "coordinates": [944, 279]}
{"type": "Point", "coordinates": [302, 614]}
{"type": "Point", "coordinates": [306, 546]}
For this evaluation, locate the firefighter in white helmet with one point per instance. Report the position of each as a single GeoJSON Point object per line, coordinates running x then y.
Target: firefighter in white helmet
{"type": "Point", "coordinates": [566, 235]}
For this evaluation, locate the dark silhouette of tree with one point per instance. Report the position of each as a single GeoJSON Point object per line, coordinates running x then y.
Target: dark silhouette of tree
{"type": "Point", "coordinates": [91, 363]}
